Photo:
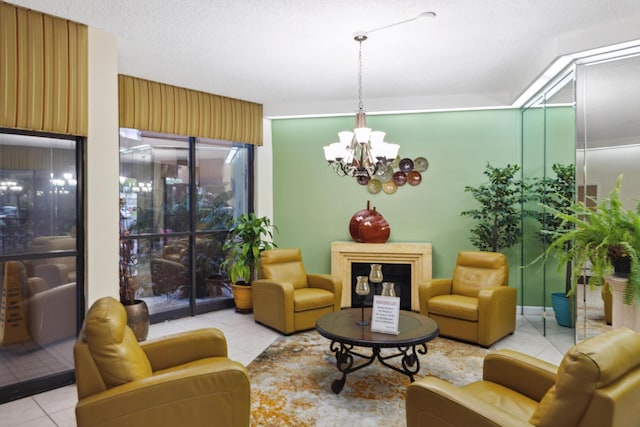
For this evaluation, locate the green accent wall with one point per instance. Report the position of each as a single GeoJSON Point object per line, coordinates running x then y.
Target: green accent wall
{"type": "Point", "coordinates": [313, 206]}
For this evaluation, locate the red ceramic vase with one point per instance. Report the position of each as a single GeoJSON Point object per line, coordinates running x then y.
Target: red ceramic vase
{"type": "Point", "coordinates": [369, 226]}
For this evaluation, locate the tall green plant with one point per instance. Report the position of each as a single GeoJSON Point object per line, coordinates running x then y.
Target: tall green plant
{"type": "Point", "coordinates": [557, 193]}
{"type": "Point", "coordinates": [247, 238]}
{"type": "Point", "coordinates": [499, 214]}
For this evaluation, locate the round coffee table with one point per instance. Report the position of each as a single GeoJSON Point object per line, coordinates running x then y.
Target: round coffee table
{"type": "Point", "coordinates": [342, 328]}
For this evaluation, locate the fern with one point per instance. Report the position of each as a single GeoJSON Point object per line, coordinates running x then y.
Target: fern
{"type": "Point", "coordinates": [594, 235]}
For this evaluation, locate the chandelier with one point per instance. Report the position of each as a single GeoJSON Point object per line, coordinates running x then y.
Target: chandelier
{"type": "Point", "coordinates": [362, 152]}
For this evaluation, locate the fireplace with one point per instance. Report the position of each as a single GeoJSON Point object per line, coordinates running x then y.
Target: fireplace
{"type": "Point", "coordinates": [399, 274]}
{"type": "Point", "coordinates": [347, 255]}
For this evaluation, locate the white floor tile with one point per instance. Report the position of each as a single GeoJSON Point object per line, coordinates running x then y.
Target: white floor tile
{"type": "Point", "coordinates": [20, 411]}
{"type": "Point", "coordinates": [43, 421]}
{"type": "Point", "coordinates": [58, 399]}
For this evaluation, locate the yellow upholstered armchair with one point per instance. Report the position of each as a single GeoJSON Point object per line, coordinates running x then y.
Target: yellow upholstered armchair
{"type": "Point", "coordinates": [477, 304]}
{"type": "Point", "coordinates": [596, 385]}
{"type": "Point", "coordinates": [288, 299]}
{"type": "Point", "coordinates": [180, 380]}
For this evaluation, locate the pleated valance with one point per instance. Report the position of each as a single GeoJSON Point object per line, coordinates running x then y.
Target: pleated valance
{"type": "Point", "coordinates": [159, 107]}
{"type": "Point", "coordinates": [43, 72]}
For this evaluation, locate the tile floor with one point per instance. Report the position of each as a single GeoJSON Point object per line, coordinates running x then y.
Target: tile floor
{"type": "Point", "coordinates": [246, 340]}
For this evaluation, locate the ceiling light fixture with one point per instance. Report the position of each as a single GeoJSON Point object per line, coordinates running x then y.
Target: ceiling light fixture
{"type": "Point", "coordinates": [362, 152]}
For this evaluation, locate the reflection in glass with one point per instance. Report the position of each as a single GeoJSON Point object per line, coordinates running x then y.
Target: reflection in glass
{"type": "Point", "coordinates": [608, 146]}
{"type": "Point", "coordinates": [180, 197]}
{"type": "Point", "coordinates": [39, 199]}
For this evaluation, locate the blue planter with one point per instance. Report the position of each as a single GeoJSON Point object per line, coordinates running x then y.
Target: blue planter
{"type": "Point", "coordinates": [562, 309]}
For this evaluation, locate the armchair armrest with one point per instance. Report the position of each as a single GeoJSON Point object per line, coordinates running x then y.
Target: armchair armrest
{"type": "Point", "coordinates": [329, 283]}
{"type": "Point", "coordinates": [431, 288]}
{"type": "Point", "coordinates": [185, 347]}
{"type": "Point", "coordinates": [496, 313]}
{"type": "Point", "coordinates": [276, 304]}
{"type": "Point", "coordinates": [275, 288]}
{"type": "Point", "coordinates": [509, 367]}
{"type": "Point", "coordinates": [431, 400]}
{"type": "Point", "coordinates": [324, 281]}
{"type": "Point", "coordinates": [212, 386]}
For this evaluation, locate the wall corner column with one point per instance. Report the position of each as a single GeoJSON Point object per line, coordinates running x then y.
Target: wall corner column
{"type": "Point", "coordinates": [102, 166]}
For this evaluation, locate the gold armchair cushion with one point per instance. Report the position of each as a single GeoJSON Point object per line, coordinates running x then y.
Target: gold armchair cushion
{"type": "Point", "coordinates": [458, 306]}
{"type": "Point", "coordinates": [311, 298]}
{"type": "Point", "coordinates": [478, 270]}
{"type": "Point", "coordinates": [284, 263]}
{"type": "Point", "coordinates": [114, 347]}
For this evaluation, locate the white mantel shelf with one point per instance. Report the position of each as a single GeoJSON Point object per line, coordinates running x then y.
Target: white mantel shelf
{"type": "Point", "coordinates": [417, 255]}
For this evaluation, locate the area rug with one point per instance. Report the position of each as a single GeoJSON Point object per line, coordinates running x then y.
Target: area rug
{"type": "Point", "coordinates": [291, 383]}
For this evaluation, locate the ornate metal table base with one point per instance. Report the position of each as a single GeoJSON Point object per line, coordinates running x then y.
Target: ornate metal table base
{"type": "Point", "coordinates": [345, 360]}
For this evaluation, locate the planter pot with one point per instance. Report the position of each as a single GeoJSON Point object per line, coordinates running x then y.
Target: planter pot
{"type": "Point", "coordinates": [621, 266]}
{"type": "Point", "coordinates": [138, 319]}
{"type": "Point", "coordinates": [243, 298]}
{"type": "Point", "coordinates": [627, 315]}
{"type": "Point", "coordinates": [562, 308]}
{"type": "Point", "coordinates": [217, 287]}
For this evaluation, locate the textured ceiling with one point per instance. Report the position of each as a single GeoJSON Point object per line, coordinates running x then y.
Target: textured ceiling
{"type": "Point", "coordinates": [299, 57]}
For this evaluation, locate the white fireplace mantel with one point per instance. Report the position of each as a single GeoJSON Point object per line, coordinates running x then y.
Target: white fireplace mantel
{"type": "Point", "coordinates": [417, 255]}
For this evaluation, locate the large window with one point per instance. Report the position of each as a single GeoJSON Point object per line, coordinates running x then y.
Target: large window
{"type": "Point", "coordinates": [40, 265]}
{"type": "Point", "coordinates": [178, 198]}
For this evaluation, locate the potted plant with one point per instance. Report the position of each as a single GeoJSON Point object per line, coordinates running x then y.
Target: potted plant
{"type": "Point", "coordinates": [596, 236]}
{"type": "Point", "coordinates": [247, 238]}
{"type": "Point", "coordinates": [137, 310]}
{"type": "Point", "coordinates": [557, 194]}
{"type": "Point", "coordinates": [210, 276]}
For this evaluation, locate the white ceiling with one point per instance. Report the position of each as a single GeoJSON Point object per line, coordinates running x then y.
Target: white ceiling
{"type": "Point", "coordinates": [299, 57]}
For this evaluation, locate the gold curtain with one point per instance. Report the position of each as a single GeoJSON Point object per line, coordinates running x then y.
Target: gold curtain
{"type": "Point", "coordinates": [43, 72]}
{"type": "Point", "coordinates": [158, 107]}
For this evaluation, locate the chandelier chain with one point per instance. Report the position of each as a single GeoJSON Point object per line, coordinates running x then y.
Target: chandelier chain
{"type": "Point", "coordinates": [360, 105]}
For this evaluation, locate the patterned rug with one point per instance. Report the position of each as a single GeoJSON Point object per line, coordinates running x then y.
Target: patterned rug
{"type": "Point", "coordinates": [291, 383]}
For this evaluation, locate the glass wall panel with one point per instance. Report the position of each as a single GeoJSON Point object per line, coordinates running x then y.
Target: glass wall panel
{"type": "Point", "coordinates": [548, 144]}
{"type": "Point", "coordinates": [40, 265]}
{"type": "Point", "coordinates": [179, 238]}
{"type": "Point", "coordinates": [608, 107]}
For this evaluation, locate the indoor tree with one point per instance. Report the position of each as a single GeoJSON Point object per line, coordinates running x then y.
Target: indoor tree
{"type": "Point", "coordinates": [499, 215]}
{"type": "Point", "coordinates": [555, 194]}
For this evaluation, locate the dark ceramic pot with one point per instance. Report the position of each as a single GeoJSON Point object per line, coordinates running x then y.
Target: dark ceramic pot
{"type": "Point", "coordinates": [138, 319]}
{"type": "Point", "coordinates": [621, 265]}
{"type": "Point", "coordinates": [369, 226]}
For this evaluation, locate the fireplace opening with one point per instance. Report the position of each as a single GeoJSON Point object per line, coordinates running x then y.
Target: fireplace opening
{"type": "Point", "coordinates": [399, 274]}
